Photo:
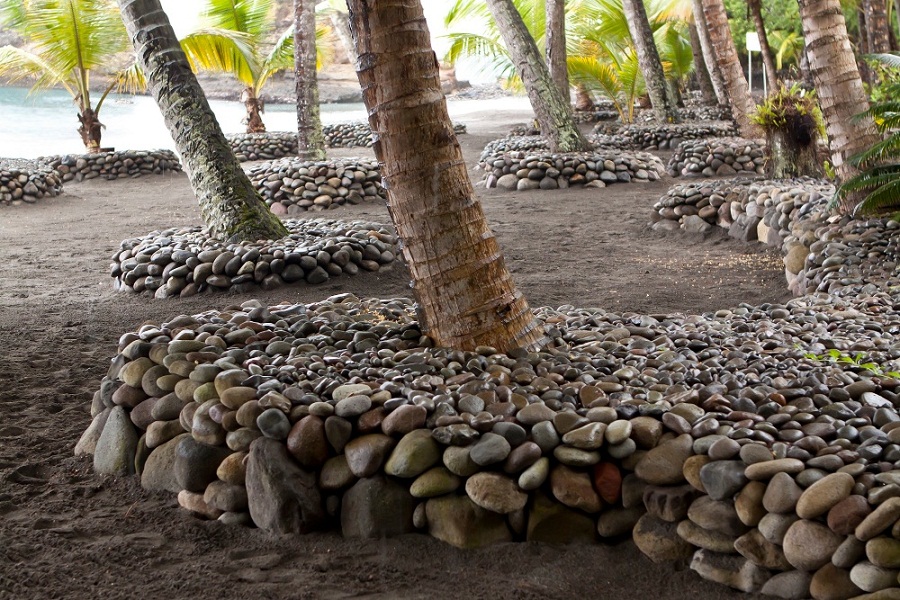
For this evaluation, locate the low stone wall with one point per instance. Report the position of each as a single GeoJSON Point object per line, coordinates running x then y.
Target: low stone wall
{"type": "Point", "coordinates": [655, 136]}
{"type": "Point", "coordinates": [184, 262]}
{"type": "Point", "coordinates": [718, 157]}
{"type": "Point", "coordinates": [114, 164]}
{"type": "Point", "coordinates": [263, 146]}
{"type": "Point", "coordinates": [27, 181]}
{"type": "Point", "coordinates": [721, 439]}
{"type": "Point", "coordinates": [292, 186]}
{"type": "Point", "coordinates": [359, 134]}
{"type": "Point", "coordinates": [546, 171]}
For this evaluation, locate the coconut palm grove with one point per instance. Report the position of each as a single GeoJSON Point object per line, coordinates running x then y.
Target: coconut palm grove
{"type": "Point", "coordinates": [459, 299]}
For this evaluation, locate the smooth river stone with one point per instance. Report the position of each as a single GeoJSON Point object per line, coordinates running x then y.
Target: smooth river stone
{"type": "Point", "coordinates": [414, 454]}
{"type": "Point", "coordinates": [870, 578]}
{"type": "Point", "coordinates": [535, 413]}
{"type": "Point", "coordinates": [716, 515]}
{"type": "Point", "coordinates": [534, 476]}
{"type": "Point", "coordinates": [782, 494]}
{"type": "Point", "coordinates": [733, 571]}
{"type": "Point", "coordinates": [404, 419]}
{"type": "Point", "coordinates": [490, 449]}
{"type": "Point", "coordinates": [664, 464]}
{"type": "Point", "coordinates": [618, 431]}
{"type": "Point", "coordinates": [762, 471]}
{"type": "Point", "coordinates": [435, 482]}
{"type": "Point", "coordinates": [307, 444]}
{"type": "Point", "coordinates": [336, 474]}
{"type": "Point", "coordinates": [884, 552]}
{"type": "Point", "coordinates": [496, 493]}
{"type": "Point", "coordinates": [880, 519]}
{"type": "Point", "coordinates": [761, 552]}
{"type": "Point", "coordinates": [574, 489]}
{"type": "Point", "coordinates": [705, 538]}
{"type": "Point", "coordinates": [367, 453]}
{"type": "Point", "coordinates": [723, 479]}
{"type": "Point", "coordinates": [352, 406]}
{"type": "Point", "coordinates": [586, 437]}
{"type": "Point", "coordinates": [117, 445]}
{"type": "Point", "coordinates": [458, 461]}
{"type": "Point", "coordinates": [808, 545]}
{"type": "Point", "coordinates": [821, 496]}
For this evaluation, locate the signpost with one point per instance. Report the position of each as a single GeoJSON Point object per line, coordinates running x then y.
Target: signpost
{"type": "Point", "coordinates": [753, 46]}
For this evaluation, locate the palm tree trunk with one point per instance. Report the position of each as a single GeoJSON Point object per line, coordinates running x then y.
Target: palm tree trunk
{"type": "Point", "coordinates": [553, 112]}
{"type": "Point", "coordinates": [877, 26]}
{"type": "Point", "coordinates": [838, 84]}
{"type": "Point", "coordinates": [863, 45]}
{"type": "Point", "coordinates": [709, 55]}
{"type": "Point", "coordinates": [339, 21]}
{"type": "Point", "coordinates": [310, 138]}
{"type": "Point", "coordinates": [583, 99]}
{"type": "Point", "coordinates": [91, 129]}
{"type": "Point", "coordinates": [465, 294]}
{"type": "Point", "coordinates": [707, 91]}
{"type": "Point", "coordinates": [648, 59]}
{"type": "Point", "coordinates": [231, 207]}
{"type": "Point", "coordinates": [254, 107]}
{"type": "Point", "coordinates": [556, 45]}
{"type": "Point", "coordinates": [742, 105]}
{"type": "Point", "coordinates": [765, 48]}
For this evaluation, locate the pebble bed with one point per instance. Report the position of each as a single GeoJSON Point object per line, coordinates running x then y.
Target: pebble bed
{"type": "Point", "coordinates": [292, 186]}
{"type": "Point", "coordinates": [114, 164]}
{"type": "Point", "coordinates": [27, 181]}
{"type": "Point", "coordinates": [516, 170]}
{"type": "Point", "coordinates": [279, 144]}
{"type": "Point", "coordinates": [732, 440]}
{"type": "Point", "coordinates": [718, 157]}
{"type": "Point", "coordinates": [184, 262]}
{"type": "Point", "coordinates": [654, 136]}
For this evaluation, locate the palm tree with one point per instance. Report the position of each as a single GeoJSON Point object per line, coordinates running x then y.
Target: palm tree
{"type": "Point", "coordinates": [231, 40]}
{"type": "Point", "coordinates": [839, 87]}
{"type": "Point", "coordinates": [755, 8]}
{"type": "Point", "coordinates": [231, 207]}
{"type": "Point", "coordinates": [465, 293]}
{"type": "Point", "coordinates": [742, 105]}
{"type": "Point", "coordinates": [553, 112]}
{"type": "Point", "coordinates": [69, 40]}
{"type": "Point", "coordinates": [648, 58]}
{"type": "Point", "coordinates": [556, 45]}
{"type": "Point", "coordinates": [709, 54]}
{"type": "Point", "coordinates": [310, 138]}
{"type": "Point", "coordinates": [877, 26]}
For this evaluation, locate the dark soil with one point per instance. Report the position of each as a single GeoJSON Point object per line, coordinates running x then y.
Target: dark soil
{"type": "Point", "coordinates": [66, 533]}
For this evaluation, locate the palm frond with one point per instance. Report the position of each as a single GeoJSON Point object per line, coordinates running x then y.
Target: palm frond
{"type": "Point", "coordinates": [281, 57]}
{"type": "Point", "coordinates": [131, 80]}
{"type": "Point", "coordinates": [222, 50]}
{"type": "Point", "coordinates": [251, 17]}
{"type": "Point", "coordinates": [888, 60]}
{"type": "Point", "coordinates": [17, 64]}
{"type": "Point", "coordinates": [880, 152]}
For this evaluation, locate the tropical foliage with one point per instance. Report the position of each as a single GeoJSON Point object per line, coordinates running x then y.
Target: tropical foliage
{"type": "Point", "coordinates": [232, 39]}
{"type": "Point", "coordinates": [602, 57]}
{"type": "Point", "coordinates": [879, 178]}
{"type": "Point", "coordinates": [68, 39]}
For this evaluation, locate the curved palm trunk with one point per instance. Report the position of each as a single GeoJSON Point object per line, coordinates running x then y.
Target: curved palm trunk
{"type": "Point", "coordinates": [709, 54]}
{"type": "Point", "coordinates": [255, 108]}
{"type": "Point", "coordinates": [466, 295]}
{"type": "Point", "coordinates": [231, 207]}
{"type": "Point", "coordinates": [91, 129]}
{"type": "Point", "coordinates": [648, 59]}
{"type": "Point", "coordinates": [742, 105]}
{"type": "Point", "coordinates": [310, 138]}
{"type": "Point", "coordinates": [556, 45]}
{"type": "Point", "coordinates": [765, 48]}
{"type": "Point", "coordinates": [707, 91]}
{"type": "Point", "coordinates": [838, 84]}
{"type": "Point", "coordinates": [553, 112]}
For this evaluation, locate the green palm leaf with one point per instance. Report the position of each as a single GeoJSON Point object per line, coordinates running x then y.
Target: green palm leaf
{"type": "Point", "coordinates": [281, 57]}
{"type": "Point", "coordinates": [222, 50]}
{"type": "Point", "coordinates": [17, 64]}
{"type": "Point", "coordinates": [251, 17]}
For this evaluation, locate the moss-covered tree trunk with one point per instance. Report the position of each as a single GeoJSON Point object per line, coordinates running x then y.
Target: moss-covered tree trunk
{"type": "Point", "coordinates": [838, 85]}
{"type": "Point", "coordinates": [765, 49]}
{"type": "Point", "coordinates": [556, 45]}
{"type": "Point", "coordinates": [465, 293]}
{"type": "Point", "coordinates": [709, 54]}
{"type": "Point", "coordinates": [707, 91]}
{"type": "Point", "coordinates": [648, 59]}
{"type": "Point", "coordinates": [231, 207]}
{"type": "Point", "coordinates": [553, 112]}
{"type": "Point", "coordinates": [310, 138]}
{"type": "Point", "coordinates": [792, 151]}
{"type": "Point", "coordinates": [742, 104]}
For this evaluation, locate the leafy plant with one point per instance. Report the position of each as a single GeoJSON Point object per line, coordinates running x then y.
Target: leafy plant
{"type": "Point", "coordinates": [790, 108]}
{"type": "Point", "coordinates": [879, 178]}
{"type": "Point", "coordinates": [793, 123]}
{"type": "Point", "coordinates": [855, 361]}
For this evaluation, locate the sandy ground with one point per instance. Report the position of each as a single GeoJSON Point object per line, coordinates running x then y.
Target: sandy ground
{"type": "Point", "coordinates": [66, 533]}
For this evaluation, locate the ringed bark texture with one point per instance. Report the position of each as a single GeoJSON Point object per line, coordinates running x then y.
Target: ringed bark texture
{"type": "Point", "coordinates": [231, 207]}
{"type": "Point", "coordinates": [556, 46]}
{"type": "Point", "coordinates": [838, 85]}
{"type": "Point", "coordinates": [465, 293]}
{"type": "Point", "coordinates": [709, 54]}
{"type": "Point", "coordinates": [877, 27]}
{"type": "Point", "coordinates": [742, 105]}
{"type": "Point", "coordinates": [310, 138]}
{"type": "Point", "coordinates": [766, 49]}
{"type": "Point", "coordinates": [648, 59]}
{"type": "Point", "coordinates": [707, 91]}
{"type": "Point", "coordinates": [553, 112]}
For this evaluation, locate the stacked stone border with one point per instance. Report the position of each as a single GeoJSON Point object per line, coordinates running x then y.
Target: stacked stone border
{"type": "Point", "coordinates": [27, 181]}
{"type": "Point", "coordinates": [292, 186]}
{"type": "Point", "coordinates": [113, 164]}
{"type": "Point", "coordinates": [719, 156]}
{"type": "Point", "coordinates": [517, 170]}
{"type": "Point", "coordinates": [279, 144]}
{"type": "Point", "coordinates": [184, 262]}
{"type": "Point", "coordinates": [656, 136]}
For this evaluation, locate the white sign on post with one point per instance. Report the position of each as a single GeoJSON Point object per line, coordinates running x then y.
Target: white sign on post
{"type": "Point", "coordinates": [753, 46]}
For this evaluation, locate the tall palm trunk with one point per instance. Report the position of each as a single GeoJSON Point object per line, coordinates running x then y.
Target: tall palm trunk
{"type": "Point", "coordinates": [341, 26]}
{"type": "Point", "coordinates": [838, 84]}
{"type": "Point", "coordinates": [648, 59]}
{"type": "Point", "coordinates": [553, 112]}
{"type": "Point", "coordinates": [231, 207]}
{"type": "Point", "coordinates": [556, 45]}
{"type": "Point", "coordinates": [707, 91]}
{"type": "Point", "coordinates": [466, 295]}
{"type": "Point", "coordinates": [742, 104]}
{"type": "Point", "coordinates": [254, 107]}
{"type": "Point", "coordinates": [877, 26]}
{"type": "Point", "coordinates": [765, 48]}
{"type": "Point", "coordinates": [709, 55]}
{"type": "Point", "coordinates": [310, 138]}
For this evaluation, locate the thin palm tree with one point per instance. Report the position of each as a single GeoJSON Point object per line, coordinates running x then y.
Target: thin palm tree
{"type": "Point", "coordinates": [69, 39]}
